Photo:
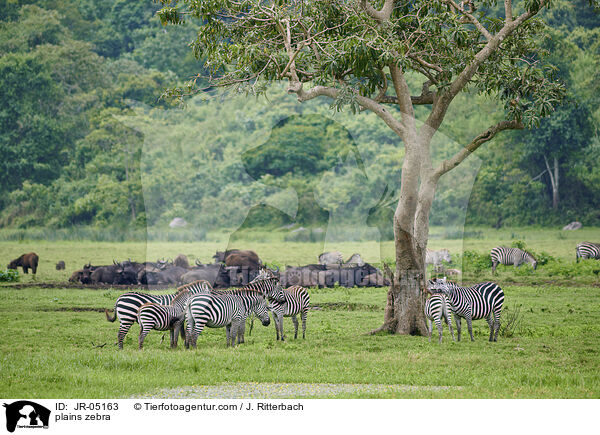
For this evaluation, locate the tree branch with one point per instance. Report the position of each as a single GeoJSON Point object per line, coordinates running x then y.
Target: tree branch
{"type": "Point", "coordinates": [508, 14]}
{"type": "Point", "coordinates": [382, 15]}
{"type": "Point", "coordinates": [471, 18]}
{"type": "Point", "coordinates": [486, 136]}
{"type": "Point", "coordinates": [368, 103]}
{"type": "Point", "coordinates": [440, 106]}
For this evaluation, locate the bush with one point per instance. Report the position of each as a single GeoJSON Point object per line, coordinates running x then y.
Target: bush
{"type": "Point", "coordinates": [9, 275]}
{"type": "Point", "coordinates": [475, 262]}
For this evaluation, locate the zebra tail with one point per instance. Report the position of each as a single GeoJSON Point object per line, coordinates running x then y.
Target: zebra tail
{"type": "Point", "coordinates": [110, 319]}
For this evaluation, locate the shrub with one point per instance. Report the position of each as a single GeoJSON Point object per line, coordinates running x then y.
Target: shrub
{"type": "Point", "coordinates": [476, 262]}
{"type": "Point", "coordinates": [9, 275]}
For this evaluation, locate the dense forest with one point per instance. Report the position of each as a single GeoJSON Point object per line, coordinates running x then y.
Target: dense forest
{"type": "Point", "coordinates": [87, 139]}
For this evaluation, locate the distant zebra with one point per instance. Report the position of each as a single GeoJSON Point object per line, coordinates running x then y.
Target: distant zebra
{"type": "Point", "coordinates": [482, 301]}
{"type": "Point", "coordinates": [436, 307]}
{"type": "Point", "coordinates": [229, 309]}
{"type": "Point", "coordinates": [128, 304]}
{"type": "Point", "coordinates": [164, 317]}
{"type": "Point", "coordinates": [507, 256]}
{"type": "Point", "coordinates": [296, 302]}
{"type": "Point", "coordinates": [587, 250]}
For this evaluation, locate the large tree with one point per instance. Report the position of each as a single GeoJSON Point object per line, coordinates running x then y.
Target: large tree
{"type": "Point", "coordinates": [359, 54]}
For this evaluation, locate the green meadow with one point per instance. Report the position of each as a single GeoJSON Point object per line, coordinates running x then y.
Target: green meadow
{"type": "Point", "coordinates": [56, 342]}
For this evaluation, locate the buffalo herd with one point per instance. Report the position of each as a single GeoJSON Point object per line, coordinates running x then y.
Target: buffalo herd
{"type": "Point", "coordinates": [232, 268]}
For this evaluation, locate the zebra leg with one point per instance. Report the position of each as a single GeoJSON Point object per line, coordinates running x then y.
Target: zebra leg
{"type": "Point", "coordinates": [303, 318]}
{"type": "Point", "coordinates": [448, 318]}
{"type": "Point", "coordinates": [439, 326]}
{"type": "Point", "coordinates": [497, 324]}
{"type": "Point", "coordinates": [470, 327]}
{"type": "Point", "coordinates": [228, 333]}
{"type": "Point", "coordinates": [458, 327]}
{"type": "Point", "coordinates": [490, 321]}
{"type": "Point", "coordinates": [494, 265]}
{"type": "Point", "coordinates": [242, 330]}
{"type": "Point", "coordinates": [123, 330]}
{"type": "Point", "coordinates": [295, 321]}
{"type": "Point", "coordinates": [143, 333]}
{"type": "Point", "coordinates": [429, 328]}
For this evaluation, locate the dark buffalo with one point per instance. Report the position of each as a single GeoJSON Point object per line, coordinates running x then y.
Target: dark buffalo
{"type": "Point", "coordinates": [106, 275]}
{"type": "Point", "coordinates": [181, 261]}
{"type": "Point", "coordinates": [221, 257]}
{"type": "Point", "coordinates": [60, 265]}
{"type": "Point", "coordinates": [215, 274]}
{"type": "Point", "coordinates": [26, 261]}
{"type": "Point", "coordinates": [243, 260]}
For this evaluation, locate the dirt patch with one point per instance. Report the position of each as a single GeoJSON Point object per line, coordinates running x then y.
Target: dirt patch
{"type": "Point", "coordinates": [256, 390]}
{"type": "Point", "coordinates": [344, 306]}
{"type": "Point", "coordinates": [74, 309]}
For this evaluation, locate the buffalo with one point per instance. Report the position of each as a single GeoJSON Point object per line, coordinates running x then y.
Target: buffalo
{"type": "Point", "coordinates": [181, 261]}
{"type": "Point", "coordinates": [334, 257]}
{"type": "Point", "coordinates": [26, 261]}
{"type": "Point", "coordinates": [221, 257]}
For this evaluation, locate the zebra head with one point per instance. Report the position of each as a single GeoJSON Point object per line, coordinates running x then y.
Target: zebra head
{"type": "Point", "coordinates": [261, 310]}
{"type": "Point", "coordinates": [268, 282]}
{"type": "Point", "coordinates": [531, 260]}
{"type": "Point", "coordinates": [438, 285]}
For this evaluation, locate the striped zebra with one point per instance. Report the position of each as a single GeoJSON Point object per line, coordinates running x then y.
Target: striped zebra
{"type": "Point", "coordinates": [482, 301]}
{"type": "Point", "coordinates": [224, 309]}
{"type": "Point", "coordinates": [164, 317]}
{"type": "Point", "coordinates": [128, 304]}
{"type": "Point", "coordinates": [587, 250]}
{"type": "Point", "coordinates": [507, 256]}
{"type": "Point", "coordinates": [436, 308]}
{"type": "Point", "coordinates": [296, 302]}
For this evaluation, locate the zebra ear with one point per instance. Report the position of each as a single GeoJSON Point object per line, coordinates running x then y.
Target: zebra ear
{"type": "Point", "coordinates": [443, 279]}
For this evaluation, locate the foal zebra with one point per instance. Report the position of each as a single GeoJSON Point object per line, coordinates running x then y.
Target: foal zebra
{"type": "Point", "coordinates": [436, 307]}
{"type": "Point", "coordinates": [507, 256]}
{"type": "Point", "coordinates": [296, 302]}
{"type": "Point", "coordinates": [164, 317]}
{"type": "Point", "coordinates": [588, 250]}
{"type": "Point", "coordinates": [481, 301]}
{"type": "Point", "coordinates": [128, 304]}
{"type": "Point", "coordinates": [229, 309]}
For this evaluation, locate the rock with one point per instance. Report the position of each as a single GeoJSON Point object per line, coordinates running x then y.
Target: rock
{"type": "Point", "coordinates": [178, 223]}
{"type": "Point", "coordinates": [573, 226]}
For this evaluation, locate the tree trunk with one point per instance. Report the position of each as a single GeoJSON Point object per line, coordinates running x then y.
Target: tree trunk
{"type": "Point", "coordinates": [405, 303]}
{"type": "Point", "coordinates": [553, 181]}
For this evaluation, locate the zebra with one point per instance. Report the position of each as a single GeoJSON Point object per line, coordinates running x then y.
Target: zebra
{"type": "Point", "coordinates": [587, 250]}
{"type": "Point", "coordinates": [128, 304]}
{"type": "Point", "coordinates": [296, 302]}
{"type": "Point", "coordinates": [481, 301]}
{"type": "Point", "coordinates": [268, 284]}
{"type": "Point", "coordinates": [229, 309]}
{"type": "Point", "coordinates": [506, 256]}
{"type": "Point", "coordinates": [436, 307]}
{"type": "Point", "coordinates": [164, 317]}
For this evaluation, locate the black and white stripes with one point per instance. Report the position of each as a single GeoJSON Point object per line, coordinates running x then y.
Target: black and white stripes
{"type": "Point", "coordinates": [224, 309]}
{"type": "Point", "coordinates": [482, 301]}
{"type": "Point", "coordinates": [163, 317]}
{"type": "Point", "coordinates": [436, 308]}
{"type": "Point", "coordinates": [587, 250]}
{"type": "Point", "coordinates": [507, 256]}
{"type": "Point", "coordinates": [128, 304]}
{"type": "Point", "coordinates": [297, 301]}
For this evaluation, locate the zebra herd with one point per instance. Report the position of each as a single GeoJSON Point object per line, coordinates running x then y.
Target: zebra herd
{"type": "Point", "coordinates": [199, 305]}
{"type": "Point", "coordinates": [481, 301]}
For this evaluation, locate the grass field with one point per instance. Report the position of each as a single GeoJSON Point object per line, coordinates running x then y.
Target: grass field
{"type": "Point", "coordinates": [48, 348]}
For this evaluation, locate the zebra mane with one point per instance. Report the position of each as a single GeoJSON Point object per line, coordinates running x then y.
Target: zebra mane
{"type": "Point", "coordinates": [193, 285]}
{"type": "Point", "coordinates": [238, 291]}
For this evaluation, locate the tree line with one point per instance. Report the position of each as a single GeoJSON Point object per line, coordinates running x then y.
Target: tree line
{"type": "Point", "coordinates": [69, 70]}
